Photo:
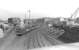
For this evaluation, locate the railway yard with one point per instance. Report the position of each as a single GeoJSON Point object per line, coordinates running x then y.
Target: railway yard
{"type": "Point", "coordinates": [38, 36]}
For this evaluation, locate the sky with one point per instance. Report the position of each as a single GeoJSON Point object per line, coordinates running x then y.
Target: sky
{"type": "Point", "coordinates": [38, 8]}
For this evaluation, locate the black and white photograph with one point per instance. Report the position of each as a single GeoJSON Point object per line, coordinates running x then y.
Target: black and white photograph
{"type": "Point", "coordinates": [39, 24]}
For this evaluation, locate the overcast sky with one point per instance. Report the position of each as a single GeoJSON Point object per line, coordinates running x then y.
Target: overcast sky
{"type": "Point", "coordinates": [39, 8]}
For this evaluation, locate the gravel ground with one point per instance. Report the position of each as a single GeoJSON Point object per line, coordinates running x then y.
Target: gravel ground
{"type": "Point", "coordinates": [35, 39]}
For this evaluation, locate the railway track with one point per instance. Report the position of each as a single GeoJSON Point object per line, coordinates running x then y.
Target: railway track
{"type": "Point", "coordinates": [36, 38]}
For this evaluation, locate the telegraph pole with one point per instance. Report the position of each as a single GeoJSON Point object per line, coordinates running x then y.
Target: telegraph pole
{"type": "Point", "coordinates": [29, 15]}
{"type": "Point", "coordinates": [29, 11]}
{"type": "Point", "coordinates": [25, 13]}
